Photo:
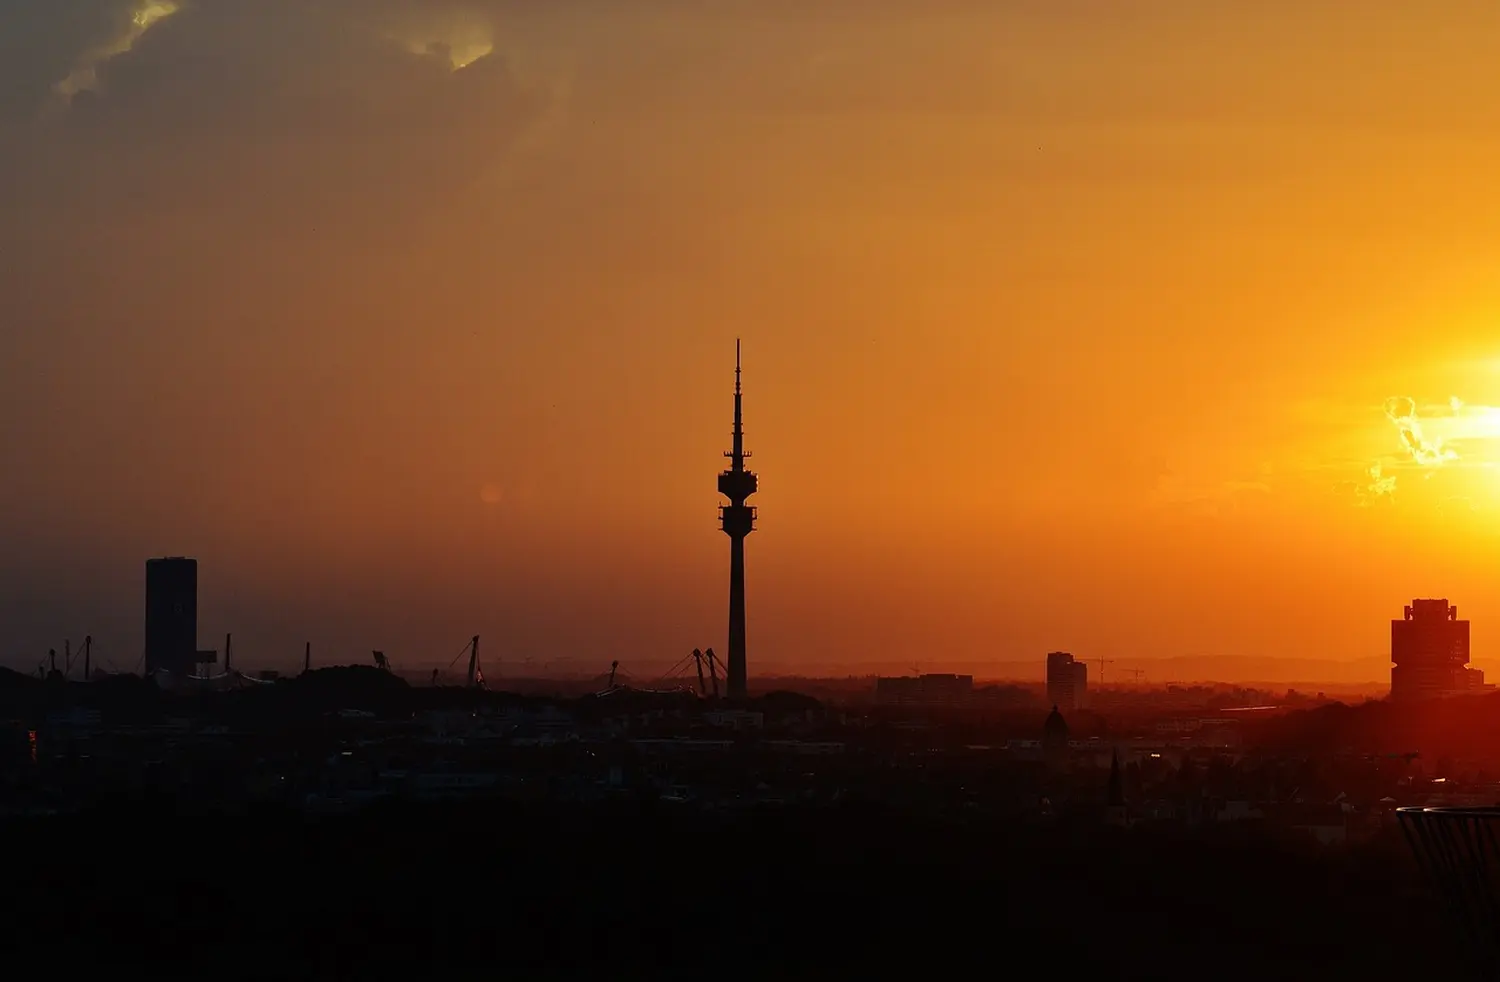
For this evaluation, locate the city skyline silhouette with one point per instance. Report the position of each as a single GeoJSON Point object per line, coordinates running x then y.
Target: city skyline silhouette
{"type": "Point", "coordinates": [1124, 377]}
{"type": "Point", "coordinates": [414, 328]}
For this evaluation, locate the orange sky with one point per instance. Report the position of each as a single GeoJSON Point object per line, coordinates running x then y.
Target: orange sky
{"type": "Point", "coordinates": [1068, 325]}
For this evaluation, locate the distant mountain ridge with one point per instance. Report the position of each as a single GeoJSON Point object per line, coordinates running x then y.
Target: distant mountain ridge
{"type": "Point", "coordinates": [1154, 671]}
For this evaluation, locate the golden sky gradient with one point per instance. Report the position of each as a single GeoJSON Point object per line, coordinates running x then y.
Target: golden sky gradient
{"type": "Point", "coordinates": [1132, 329]}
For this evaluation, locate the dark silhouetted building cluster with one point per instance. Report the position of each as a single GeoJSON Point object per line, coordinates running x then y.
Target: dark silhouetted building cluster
{"type": "Point", "coordinates": [924, 690]}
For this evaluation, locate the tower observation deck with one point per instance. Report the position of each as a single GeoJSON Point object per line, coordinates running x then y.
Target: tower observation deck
{"type": "Point", "coordinates": [737, 519]}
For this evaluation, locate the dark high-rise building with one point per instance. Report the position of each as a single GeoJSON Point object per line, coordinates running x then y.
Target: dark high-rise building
{"type": "Point", "coordinates": [1430, 652]}
{"type": "Point", "coordinates": [1067, 681]}
{"type": "Point", "coordinates": [738, 520]}
{"type": "Point", "coordinates": [172, 615]}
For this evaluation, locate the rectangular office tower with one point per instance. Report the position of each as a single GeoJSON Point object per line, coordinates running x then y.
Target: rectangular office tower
{"type": "Point", "coordinates": [1430, 652]}
{"type": "Point", "coordinates": [1067, 681]}
{"type": "Point", "coordinates": [171, 615]}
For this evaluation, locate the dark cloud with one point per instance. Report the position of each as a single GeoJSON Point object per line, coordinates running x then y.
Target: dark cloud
{"type": "Point", "coordinates": [283, 114]}
{"type": "Point", "coordinates": [40, 42]}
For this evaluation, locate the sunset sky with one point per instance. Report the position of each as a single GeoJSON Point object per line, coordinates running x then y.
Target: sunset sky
{"type": "Point", "coordinates": [1136, 329]}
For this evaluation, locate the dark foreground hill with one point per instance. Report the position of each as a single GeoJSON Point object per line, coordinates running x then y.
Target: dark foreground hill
{"type": "Point", "coordinates": [559, 893]}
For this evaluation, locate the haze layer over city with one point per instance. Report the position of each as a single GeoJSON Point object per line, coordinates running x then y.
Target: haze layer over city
{"type": "Point", "coordinates": [413, 321]}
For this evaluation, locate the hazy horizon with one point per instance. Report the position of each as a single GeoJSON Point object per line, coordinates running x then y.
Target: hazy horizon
{"type": "Point", "coordinates": [1358, 673]}
{"type": "Point", "coordinates": [1068, 325]}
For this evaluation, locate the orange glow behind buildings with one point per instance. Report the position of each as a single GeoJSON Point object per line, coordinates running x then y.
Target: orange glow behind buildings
{"type": "Point", "coordinates": [1142, 330]}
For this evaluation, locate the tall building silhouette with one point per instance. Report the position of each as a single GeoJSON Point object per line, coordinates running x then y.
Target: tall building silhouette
{"type": "Point", "coordinates": [1067, 681]}
{"type": "Point", "coordinates": [738, 520]}
{"type": "Point", "coordinates": [1430, 653]}
{"type": "Point", "coordinates": [172, 615]}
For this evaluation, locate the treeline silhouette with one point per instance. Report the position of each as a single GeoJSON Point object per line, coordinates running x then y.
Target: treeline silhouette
{"type": "Point", "coordinates": [639, 887]}
{"type": "Point", "coordinates": [1466, 726]}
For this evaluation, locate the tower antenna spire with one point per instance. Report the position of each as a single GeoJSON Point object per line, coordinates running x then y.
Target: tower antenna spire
{"type": "Point", "coordinates": [737, 519]}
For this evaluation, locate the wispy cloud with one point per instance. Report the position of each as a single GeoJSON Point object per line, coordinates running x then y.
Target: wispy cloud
{"type": "Point", "coordinates": [84, 77]}
{"type": "Point", "coordinates": [1430, 437]}
{"type": "Point", "coordinates": [1381, 486]}
{"type": "Point", "coordinates": [1423, 449]}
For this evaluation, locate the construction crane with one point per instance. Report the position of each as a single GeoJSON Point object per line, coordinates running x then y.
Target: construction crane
{"type": "Point", "coordinates": [476, 677]}
{"type": "Point", "coordinates": [611, 685]}
{"type": "Point", "coordinates": [1135, 674]}
{"type": "Point", "coordinates": [1101, 662]}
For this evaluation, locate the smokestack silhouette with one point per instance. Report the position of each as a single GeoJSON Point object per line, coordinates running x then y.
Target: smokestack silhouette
{"type": "Point", "coordinates": [737, 520]}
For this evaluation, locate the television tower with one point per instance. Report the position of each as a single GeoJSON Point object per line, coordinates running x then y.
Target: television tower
{"type": "Point", "coordinates": [738, 520]}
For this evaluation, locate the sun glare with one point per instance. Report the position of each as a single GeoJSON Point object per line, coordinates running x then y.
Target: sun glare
{"type": "Point", "coordinates": [1474, 422]}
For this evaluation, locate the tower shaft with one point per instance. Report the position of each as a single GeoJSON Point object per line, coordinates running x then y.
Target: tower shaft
{"type": "Point", "coordinates": [736, 676]}
{"type": "Point", "coordinates": [737, 520]}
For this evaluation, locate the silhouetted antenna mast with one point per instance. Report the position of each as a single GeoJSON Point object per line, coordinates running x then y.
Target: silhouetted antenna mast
{"type": "Point", "coordinates": [88, 650]}
{"type": "Point", "coordinates": [702, 685]}
{"type": "Point", "coordinates": [713, 670]}
{"type": "Point", "coordinates": [737, 519]}
{"type": "Point", "coordinates": [228, 645]}
{"type": "Point", "coordinates": [307, 658]}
